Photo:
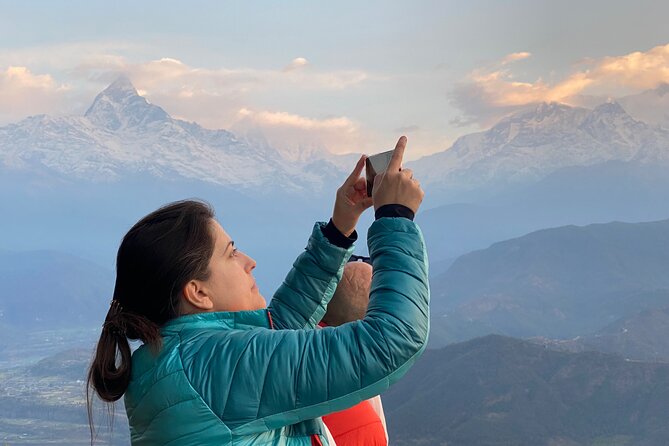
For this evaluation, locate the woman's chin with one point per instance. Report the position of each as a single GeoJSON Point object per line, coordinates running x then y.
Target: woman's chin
{"type": "Point", "coordinates": [261, 302]}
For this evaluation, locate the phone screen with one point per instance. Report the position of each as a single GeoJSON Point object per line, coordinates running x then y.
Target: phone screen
{"type": "Point", "coordinates": [374, 165]}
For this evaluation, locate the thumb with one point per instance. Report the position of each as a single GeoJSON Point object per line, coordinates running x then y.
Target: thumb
{"type": "Point", "coordinates": [360, 184]}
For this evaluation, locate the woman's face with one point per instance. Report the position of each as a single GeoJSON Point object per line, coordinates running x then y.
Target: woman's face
{"type": "Point", "coordinates": [231, 286]}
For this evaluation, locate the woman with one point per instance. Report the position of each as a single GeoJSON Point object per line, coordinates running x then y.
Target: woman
{"type": "Point", "coordinates": [219, 368]}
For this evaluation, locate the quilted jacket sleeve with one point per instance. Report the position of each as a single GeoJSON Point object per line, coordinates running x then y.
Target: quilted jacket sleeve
{"type": "Point", "coordinates": [258, 380]}
{"type": "Point", "coordinates": [301, 301]}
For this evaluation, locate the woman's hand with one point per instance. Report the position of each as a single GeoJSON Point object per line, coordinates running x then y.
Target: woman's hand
{"type": "Point", "coordinates": [351, 201]}
{"type": "Point", "coordinates": [396, 185]}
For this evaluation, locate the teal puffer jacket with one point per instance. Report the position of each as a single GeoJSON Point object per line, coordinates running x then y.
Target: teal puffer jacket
{"type": "Point", "coordinates": [228, 378]}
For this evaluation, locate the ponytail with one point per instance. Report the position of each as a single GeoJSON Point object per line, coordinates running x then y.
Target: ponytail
{"type": "Point", "coordinates": [109, 373]}
{"type": "Point", "coordinates": [157, 257]}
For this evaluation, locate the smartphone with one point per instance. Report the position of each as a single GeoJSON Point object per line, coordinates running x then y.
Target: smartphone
{"type": "Point", "coordinates": [375, 165]}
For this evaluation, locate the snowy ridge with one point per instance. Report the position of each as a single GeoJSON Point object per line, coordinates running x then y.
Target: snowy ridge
{"type": "Point", "coordinates": [119, 106]}
{"type": "Point", "coordinates": [533, 143]}
{"type": "Point", "coordinates": [122, 133]}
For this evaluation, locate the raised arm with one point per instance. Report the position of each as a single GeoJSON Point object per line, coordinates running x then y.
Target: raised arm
{"type": "Point", "coordinates": [301, 300]}
{"type": "Point", "coordinates": [275, 378]}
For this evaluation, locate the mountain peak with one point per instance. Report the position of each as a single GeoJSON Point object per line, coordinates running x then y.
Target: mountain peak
{"type": "Point", "coordinates": [547, 107]}
{"type": "Point", "coordinates": [550, 108]}
{"type": "Point", "coordinates": [119, 106]}
{"type": "Point", "coordinates": [609, 108]}
{"type": "Point", "coordinates": [122, 84]}
{"type": "Point", "coordinates": [546, 116]}
{"type": "Point", "coordinates": [542, 112]}
{"type": "Point", "coordinates": [611, 115]}
{"type": "Point", "coordinates": [662, 89]}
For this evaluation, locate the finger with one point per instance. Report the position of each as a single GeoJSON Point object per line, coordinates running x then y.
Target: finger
{"type": "Point", "coordinates": [367, 202]}
{"type": "Point", "coordinates": [398, 154]}
{"type": "Point", "coordinates": [407, 172]}
{"type": "Point", "coordinates": [353, 177]}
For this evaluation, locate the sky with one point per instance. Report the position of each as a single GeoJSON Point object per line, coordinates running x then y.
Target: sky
{"type": "Point", "coordinates": [346, 76]}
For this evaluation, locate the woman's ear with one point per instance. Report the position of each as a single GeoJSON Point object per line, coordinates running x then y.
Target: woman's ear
{"type": "Point", "coordinates": [196, 298]}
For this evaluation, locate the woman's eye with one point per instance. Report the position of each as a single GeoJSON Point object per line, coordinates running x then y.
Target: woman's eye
{"type": "Point", "coordinates": [234, 252]}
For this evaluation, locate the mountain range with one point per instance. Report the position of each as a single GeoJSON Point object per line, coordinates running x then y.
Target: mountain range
{"type": "Point", "coordinates": [498, 391]}
{"type": "Point", "coordinates": [489, 391]}
{"type": "Point", "coordinates": [529, 145]}
{"type": "Point", "coordinates": [121, 133]}
{"type": "Point", "coordinates": [556, 283]}
{"type": "Point", "coordinates": [546, 166]}
{"type": "Point", "coordinates": [643, 336]}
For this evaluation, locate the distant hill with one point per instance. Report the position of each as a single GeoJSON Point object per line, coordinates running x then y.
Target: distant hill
{"type": "Point", "coordinates": [48, 289]}
{"type": "Point", "coordinates": [641, 337]}
{"type": "Point", "coordinates": [496, 391]}
{"type": "Point", "coordinates": [557, 283]}
{"type": "Point", "coordinates": [577, 195]}
{"type": "Point", "coordinates": [69, 364]}
{"type": "Point", "coordinates": [44, 403]}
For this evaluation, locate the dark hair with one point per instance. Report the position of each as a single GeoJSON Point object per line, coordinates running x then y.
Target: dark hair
{"type": "Point", "coordinates": [157, 257]}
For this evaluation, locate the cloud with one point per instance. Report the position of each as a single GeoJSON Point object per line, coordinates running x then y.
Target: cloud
{"type": "Point", "coordinates": [23, 93]}
{"type": "Point", "coordinates": [289, 132]}
{"type": "Point", "coordinates": [212, 97]}
{"type": "Point", "coordinates": [637, 70]}
{"type": "Point", "coordinates": [489, 93]}
{"type": "Point", "coordinates": [295, 121]}
{"type": "Point", "coordinates": [209, 96]}
{"type": "Point", "coordinates": [513, 57]}
{"type": "Point", "coordinates": [226, 98]}
{"type": "Point", "coordinates": [169, 74]}
{"type": "Point", "coordinates": [298, 62]}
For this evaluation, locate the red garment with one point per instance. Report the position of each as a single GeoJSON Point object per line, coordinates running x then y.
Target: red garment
{"type": "Point", "coordinates": [360, 425]}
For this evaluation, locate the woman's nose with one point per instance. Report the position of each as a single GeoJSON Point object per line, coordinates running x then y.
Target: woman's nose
{"type": "Point", "coordinates": [250, 263]}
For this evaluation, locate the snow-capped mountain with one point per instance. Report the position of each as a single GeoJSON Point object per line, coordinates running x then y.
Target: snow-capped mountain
{"type": "Point", "coordinates": [534, 143]}
{"type": "Point", "coordinates": [120, 107]}
{"type": "Point", "coordinates": [650, 106]}
{"type": "Point", "coordinates": [122, 133]}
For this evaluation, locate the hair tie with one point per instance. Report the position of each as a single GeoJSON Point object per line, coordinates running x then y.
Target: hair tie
{"type": "Point", "coordinates": [114, 322]}
{"type": "Point", "coordinates": [114, 304]}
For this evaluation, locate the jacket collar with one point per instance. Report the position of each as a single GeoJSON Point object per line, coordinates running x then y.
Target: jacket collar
{"type": "Point", "coordinates": [227, 320]}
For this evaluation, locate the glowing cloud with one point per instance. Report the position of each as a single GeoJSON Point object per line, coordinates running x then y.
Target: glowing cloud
{"type": "Point", "coordinates": [289, 131]}
{"type": "Point", "coordinates": [296, 121]}
{"type": "Point", "coordinates": [489, 93]}
{"type": "Point", "coordinates": [296, 63]}
{"type": "Point", "coordinates": [23, 93]}
{"type": "Point", "coordinates": [513, 57]}
{"type": "Point", "coordinates": [212, 97]}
